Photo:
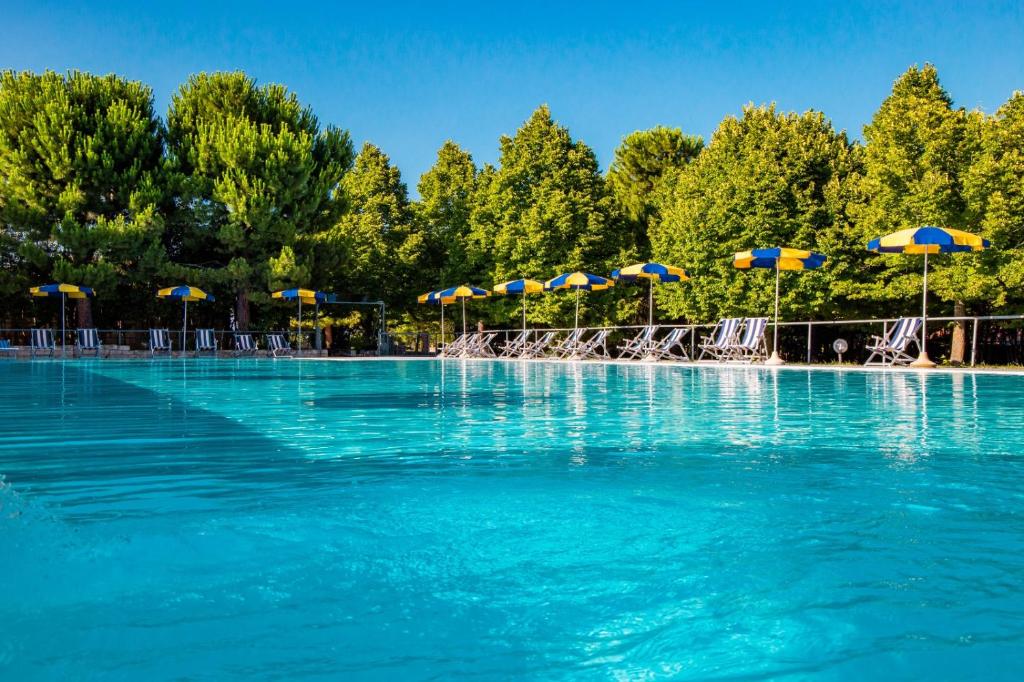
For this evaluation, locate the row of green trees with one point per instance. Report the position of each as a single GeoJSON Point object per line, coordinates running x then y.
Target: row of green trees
{"type": "Point", "coordinates": [241, 190]}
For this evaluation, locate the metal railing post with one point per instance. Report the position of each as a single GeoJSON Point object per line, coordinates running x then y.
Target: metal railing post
{"type": "Point", "coordinates": [974, 341]}
{"type": "Point", "coordinates": [809, 328]}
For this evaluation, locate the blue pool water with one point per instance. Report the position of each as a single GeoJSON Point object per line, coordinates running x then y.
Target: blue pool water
{"type": "Point", "coordinates": [218, 520]}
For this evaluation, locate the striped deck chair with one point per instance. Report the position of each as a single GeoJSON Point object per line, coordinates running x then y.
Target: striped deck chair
{"type": "Point", "coordinates": [278, 345]}
{"type": "Point", "coordinates": [717, 343]}
{"type": "Point", "coordinates": [481, 347]}
{"type": "Point", "coordinates": [594, 348]}
{"type": "Point", "coordinates": [510, 348]}
{"type": "Point", "coordinates": [159, 341]}
{"type": "Point", "coordinates": [751, 345]}
{"type": "Point", "coordinates": [244, 344]}
{"type": "Point", "coordinates": [88, 340]}
{"type": "Point", "coordinates": [663, 349]}
{"type": "Point", "coordinates": [641, 344]}
{"type": "Point", "coordinates": [206, 341]}
{"type": "Point", "coordinates": [569, 344]}
{"type": "Point", "coordinates": [41, 341]}
{"type": "Point", "coordinates": [7, 349]}
{"type": "Point", "coordinates": [894, 347]}
{"type": "Point", "coordinates": [539, 347]}
{"type": "Point", "coordinates": [455, 348]}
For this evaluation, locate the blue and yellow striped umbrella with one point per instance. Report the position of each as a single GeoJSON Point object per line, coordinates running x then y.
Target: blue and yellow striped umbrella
{"type": "Point", "coordinates": [462, 293]}
{"type": "Point", "coordinates": [520, 286]}
{"type": "Point", "coordinates": [927, 240]}
{"type": "Point", "coordinates": [432, 297]}
{"type": "Point", "coordinates": [309, 296]}
{"type": "Point", "coordinates": [65, 291]}
{"type": "Point", "coordinates": [578, 281]}
{"type": "Point", "coordinates": [653, 272]}
{"type": "Point", "coordinates": [778, 259]}
{"type": "Point", "coordinates": [184, 293]}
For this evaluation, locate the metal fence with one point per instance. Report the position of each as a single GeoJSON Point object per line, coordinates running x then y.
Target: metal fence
{"type": "Point", "coordinates": [991, 339]}
{"type": "Point", "coordinates": [130, 341]}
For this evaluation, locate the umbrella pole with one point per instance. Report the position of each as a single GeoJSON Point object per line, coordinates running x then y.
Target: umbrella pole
{"type": "Point", "coordinates": [524, 312]}
{"type": "Point", "coordinates": [184, 327]}
{"type": "Point", "coordinates": [463, 317]}
{"type": "Point", "coordinates": [923, 361]}
{"type": "Point", "coordinates": [650, 304]}
{"type": "Point", "coordinates": [442, 328]}
{"type": "Point", "coordinates": [316, 325]}
{"type": "Point", "coordinates": [299, 335]}
{"type": "Point", "coordinates": [775, 359]}
{"type": "Point", "coordinates": [576, 325]}
{"type": "Point", "coordinates": [63, 297]}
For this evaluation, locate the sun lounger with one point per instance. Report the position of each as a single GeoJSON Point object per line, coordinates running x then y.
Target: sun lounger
{"type": "Point", "coordinates": [6, 349]}
{"type": "Point", "coordinates": [278, 345]}
{"type": "Point", "coordinates": [159, 341]}
{"type": "Point", "coordinates": [593, 348]}
{"type": "Point", "coordinates": [638, 346]}
{"type": "Point", "coordinates": [511, 348]}
{"type": "Point", "coordinates": [87, 340]}
{"type": "Point", "coordinates": [480, 345]}
{"type": "Point", "coordinates": [206, 341]}
{"type": "Point", "coordinates": [455, 348]}
{"type": "Point", "coordinates": [663, 349]}
{"type": "Point", "coordinates": [568, 345]}
{"type": "Point", "coordinates": [751, 345]}
{"type": "Point", "coordinates": [894, 347]}
{"type": "Point", "coordinates": [244, 344]}
{"type": "Point", "coordinates": [721, 338]}
{"type": "Point", "coordinates": [539, 347]}
{"type": "Point", "coordinates": [41, 341]}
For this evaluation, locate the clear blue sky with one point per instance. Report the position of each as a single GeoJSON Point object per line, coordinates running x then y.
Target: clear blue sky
{"type": "Point", "coordinates": [409, 76]}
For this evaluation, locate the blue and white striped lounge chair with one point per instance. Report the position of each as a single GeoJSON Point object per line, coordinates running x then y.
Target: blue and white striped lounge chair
{"type": "Point", "coordinates": [6, 349]}
{"type": "Point", "coordinates": [244, 344]}
{"type": "Point", "coordinates": [206, 341]}
{"type": "Point", "coordinates": [569, 344]}
{"type": "Point", "coordinates": [278, 345]}
{"type": "Point", "coordinates": [41, 341]}
{"type": "Point", "coordinates": [88, 340]}
{"type": "Point", "coordinates": [718, 342]}
{"type": "Point", "coordinates": [751, 345]}
{"type": "Point", "coordinates": [894, 347]}
{"type": "Point", "coordinates": [510, 348]}
{"type": "Point", "coordinates": [456, 347]}
{"type": "Point", "coordinates": [663, 349]}
{"type": "Point", "coordinates": [639, 345]}
{"type": "Point", "coordinates": [159, 341]}
{"type": "Point", "coordinates": [596, 347]}
{"type": "Point", "coordinates": [480, 345]}
{"type": "Point", "coordinates": [537, 348]}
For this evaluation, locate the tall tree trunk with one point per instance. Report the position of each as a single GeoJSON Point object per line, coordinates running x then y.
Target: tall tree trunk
{"type": "Point", "coordinates": [84, 313]}
{"type": "Point", "coordinates": [956, 353]}
{"type": "Point", "coordinates": [242, 310]}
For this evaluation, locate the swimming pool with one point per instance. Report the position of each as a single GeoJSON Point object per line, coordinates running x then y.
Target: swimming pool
{"type": "Point", "coordinates": [220, 519]}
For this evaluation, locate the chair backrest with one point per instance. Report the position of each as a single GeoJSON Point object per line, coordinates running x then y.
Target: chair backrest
{"type": "Point", "coordinates": [5, 344]}
{"type": "Point", "coordinates": [905, 334]}
{"type": "Point", "coordinates": [727, 329]}
{"type": "Point", "coordinates": [647, 334]}
{"type": "Point", "coordinates": [520, 339]}
{"type": "Point", "coordinates": [598, 338]}
{"type": "Point", "coordinates": [88, 338]}
{"type": "Point", "coordinates": [42, 338]}
{"type": "Point", "coordinates": [574, 336]}
{"type": "Point", "coordinates": [159, 339]}
{"type": "Point", "coordinates": [205, 340]}
{"type": "Point", "coordinates": [244, 342]}
{"type": "Point", "coordinates": [754, 332]}
{"type": "Point", "coordinates": [277, 342]}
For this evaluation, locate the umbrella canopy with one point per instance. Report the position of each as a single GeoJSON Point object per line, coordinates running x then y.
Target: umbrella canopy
{"type": "Point", "coordinates": [302, 296]}
{"type": "Point", "coordinates": [578, 281]}
{"type": "Point", "coordinates": [779, 259]}
{"type": "Point", "coordinates": [927, 240]}
{"type": "Point", "coordinates": [520, 286]}
{"type": "Point", "coordinates": [65, 291]}
{"type": "Point", "coordinates": [462, 293]}
{"type": "Point", "coordinates": [184, 293]}
{"type": "Point", "coordinates": [653, 272]}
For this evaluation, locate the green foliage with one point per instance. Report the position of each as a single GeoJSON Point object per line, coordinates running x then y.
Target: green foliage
{"type": "Point", "coordinates": [766, 179]}
{"type": "Point", "coordinates": [544, 211]}
{"type": "Point", "coordinates": [446, 202]}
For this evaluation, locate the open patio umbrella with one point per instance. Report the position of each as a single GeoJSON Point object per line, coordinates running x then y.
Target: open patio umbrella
{"type": "Point", "coordinates": [184, 293]}
{"type": "Point", "coordinates": [653, 272]}
{"type": "Point", "coordinates": [578, 281]}
{"type": "Point", "coordinates": [65, 291]}
{"type": "Point", "coordinates": [780, 259]}
{"type": "Point", "coordinates": [461, 293]}
{"type": "Point", "coordinates": [926, 240]}
{"type": "Point", "coordinates": [432, 298]}
{"type": "Point", "coordinates": [303, 296]}
{"type": "Point", "coordinates": [520, 286]}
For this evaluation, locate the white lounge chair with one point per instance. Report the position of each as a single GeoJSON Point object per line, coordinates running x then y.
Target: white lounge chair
{"type": "Point", "coordinates": [539, 347]}
{"type": "Point", "coordinates": [87, 340]}
{"type": "Point", "coordinates": [894, 347]}
{"type": "Point", "coordinates": [751, 345]}
{"type": "Point", "coordinates": [568, 345]}
{"type": "Point", "coordinates": [663, 349]}
{"type": "Point", "coordinates": [244, 344]}
{"type": "Point", "coordinates": [159, 341]}
{"type": "Point", "coordinates": [455, 348]}
{"type": "Point", "coordinates": [721, 338]}
{"type": "Point", "coordinates": [482, 345]}
{"type": "Point", "coordinates": [510, 348]}
{"type": "Point", "coordinates": [41, 342]}
{"type": "Point", "coordinates": [278, 345]}
{"type": "Point", "coordinates": [639, 345]}
{"type": "Point", "coordinates": [206, 341]}
{"type": "Point", "coordinates": [594, 348]}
